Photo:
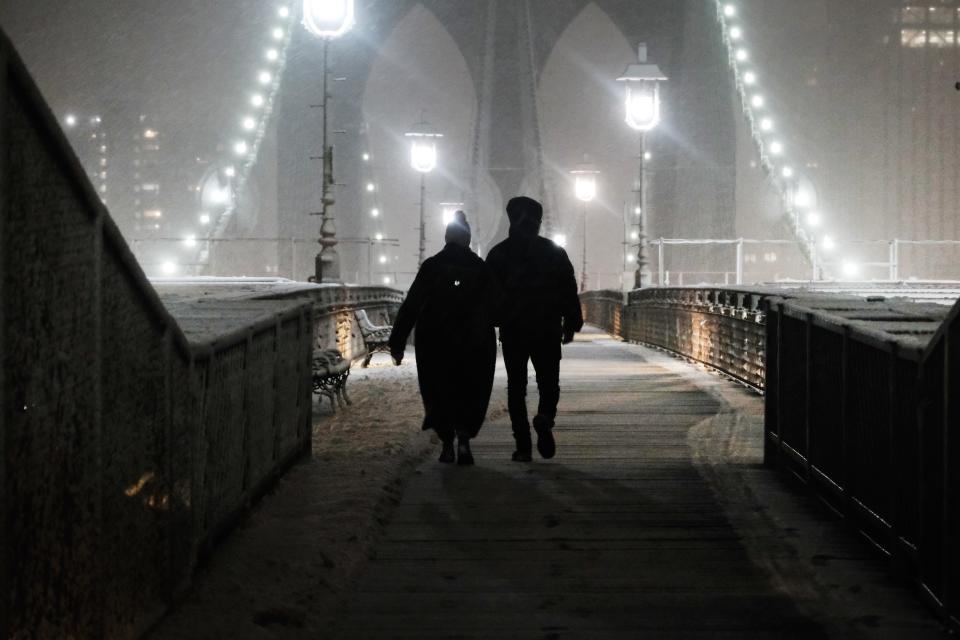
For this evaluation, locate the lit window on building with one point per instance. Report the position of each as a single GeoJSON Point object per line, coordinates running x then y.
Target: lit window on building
{"type": "Point", "coordinates": [941, 38]}
{"type": "Point", "coordinates": [913, 38]}
{"type": "Point", "coordinates": [925, 25]}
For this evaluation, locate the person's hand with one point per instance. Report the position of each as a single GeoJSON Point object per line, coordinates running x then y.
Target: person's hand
{"type": "Point", "coordinates": [397, 355]}
{"type": "Point", "coordinates": [567, 337]}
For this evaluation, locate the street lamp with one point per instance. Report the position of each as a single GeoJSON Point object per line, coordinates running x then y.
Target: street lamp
{"type": "Point", "coordinates": [449, 210]}
{"type": "Point", "coordinates": [642, 81]}
{"type": "Point", "coordinates": [585, 189]}
{"type": "Point", "coordinates": [327, 19]}
{"type": "Point", "coordinates": [423, 159]}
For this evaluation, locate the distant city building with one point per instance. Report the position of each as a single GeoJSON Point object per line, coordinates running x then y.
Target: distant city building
{"type": "Point", "coordinates": [872, 110]}
{"type": "Point", "coordinates": [929, 25]}
{"type": "Point", "coordinates": [918, 178]}
{"type": "Point", "coordinates": [148, 206]}
{"type": "Point", "coordinates": [148, 178]}
{"type": "Point", "coordinates": [89, 139]}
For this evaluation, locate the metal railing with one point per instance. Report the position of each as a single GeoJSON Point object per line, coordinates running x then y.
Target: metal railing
{"type": "Point", "coordinates": [128, 444]}
{"type": "Point", "coordinates": [861, 394]}
{"type": "Point", "coordinates": [939, 469]}
{"type": "Point", "coordinates": [264, 257]}
{"type": "Point", "coordinates": [857, 409]}
{"type": "Point", "coordinates": [746, 260]}
{"type": "Point", "coordinates": [334, 312]}
{"type": "Point", "coordinates": [720, 328]}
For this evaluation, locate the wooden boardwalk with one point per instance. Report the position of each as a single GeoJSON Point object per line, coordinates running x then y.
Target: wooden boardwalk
{"type": "Point", "coordinates": [622, 535]}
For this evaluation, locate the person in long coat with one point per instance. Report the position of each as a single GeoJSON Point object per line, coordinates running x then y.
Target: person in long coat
{"type": "Point", "coordinates": [452, 304]}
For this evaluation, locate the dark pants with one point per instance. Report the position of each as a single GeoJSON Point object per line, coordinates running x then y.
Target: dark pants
{"type": "Point", "coordinates": [545, 356]}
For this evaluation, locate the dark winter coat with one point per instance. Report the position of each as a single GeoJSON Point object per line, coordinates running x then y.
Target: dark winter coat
{"type": "Point", "coordinates": [452, 304]}
{"type": "Point", "coordinates": [540, 289]}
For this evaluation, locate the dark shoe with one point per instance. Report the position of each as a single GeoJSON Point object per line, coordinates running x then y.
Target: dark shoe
{"type": "Point", "coordinates": [524, 452]}
{"type": "Point", "coordinates": [447, 456]}
{"type": "Point", "coordinates": [464, 455]}
{"type": "Point", "coordinates": [546, 445]}
{"type": "Point", "coordinates": [522, 456]}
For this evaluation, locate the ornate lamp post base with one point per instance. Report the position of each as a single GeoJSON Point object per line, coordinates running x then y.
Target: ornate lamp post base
{"type": "Point", "coordinates": [642, 279]}
{"type": "Point", "coordinates": [327, 266]}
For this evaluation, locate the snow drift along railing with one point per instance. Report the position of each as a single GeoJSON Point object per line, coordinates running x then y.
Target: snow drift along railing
{"type": "Point", "coordinates": [126, 446]}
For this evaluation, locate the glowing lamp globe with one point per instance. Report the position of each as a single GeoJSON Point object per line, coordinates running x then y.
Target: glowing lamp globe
{"type": "Point", "coordinates": [643, 105]}
{"type": "Point", "coordinates": [328, 18]}
{"type": "Point", "coordinates": [423, 147]}
{"type": "Point", "coordinates": [423, 155]}
{"type": "Point", "coordinates": [642, 81]}
{"type": "Point", "coordinates": [850, 269]}
{"type": "Point", "coordinates": [215, 190]}
{"type": "Point", "coordinates": [585, 187]}
{"type": "Point", "coordinates": [585, 181]}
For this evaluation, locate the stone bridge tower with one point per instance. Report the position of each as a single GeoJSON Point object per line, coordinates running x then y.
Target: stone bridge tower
{"type": "Point", "coordinates": [506, 44]}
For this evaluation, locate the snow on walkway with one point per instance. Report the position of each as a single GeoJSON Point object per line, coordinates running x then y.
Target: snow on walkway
{"type": "Point", "coordinates": [655, 520]}
{"type": "Point", "coordinates": [285, 567]}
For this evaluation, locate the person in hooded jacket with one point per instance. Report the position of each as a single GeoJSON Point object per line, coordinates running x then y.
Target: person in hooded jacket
{"type": "Point", "coordinates": [451, 302]}
{"type": "Point", "coordinates": [541, 310]}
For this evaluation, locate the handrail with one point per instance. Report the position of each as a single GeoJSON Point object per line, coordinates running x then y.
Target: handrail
{"type": "Point", "coordinates": [132, 447]}
{"type": "Point", "coordinates": [843, 379]}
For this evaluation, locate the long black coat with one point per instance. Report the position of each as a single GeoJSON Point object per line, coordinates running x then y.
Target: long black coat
{"type": "Point", "coordinates": [452, 303]}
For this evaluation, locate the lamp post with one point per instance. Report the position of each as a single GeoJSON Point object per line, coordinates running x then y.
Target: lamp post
{"type": "Point", "coordinates": [423, 159]}
{"type": "Point", "coordinates": [642, 81]}
{"type": "Point", "coordinates": [585, 189]}
{"type": "Point", "coordinates": [327, 19]}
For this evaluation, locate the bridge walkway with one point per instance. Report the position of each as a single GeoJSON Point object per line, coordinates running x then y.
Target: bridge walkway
{"type": "Point", "coordinates": [655, 520]}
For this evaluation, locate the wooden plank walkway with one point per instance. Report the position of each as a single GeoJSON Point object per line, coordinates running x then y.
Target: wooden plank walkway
{"type": "Point", "coordinates": [620, 536]}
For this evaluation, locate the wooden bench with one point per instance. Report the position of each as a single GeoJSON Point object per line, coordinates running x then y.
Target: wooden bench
{"type": "Point", "coordinates": [330, 373]}
{"type": "Point", "coordinates": [376, 338]}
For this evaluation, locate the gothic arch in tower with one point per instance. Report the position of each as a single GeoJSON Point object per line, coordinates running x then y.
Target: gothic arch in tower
{"type": "Point", "coordinates": [420, 72]}
{"type": "Point", "coordinates": [581, 112]}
